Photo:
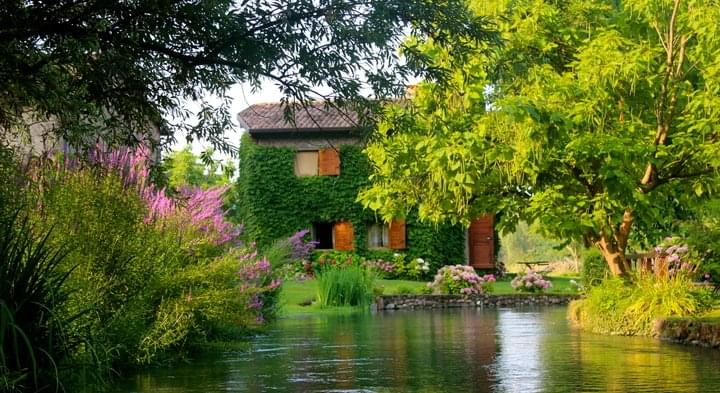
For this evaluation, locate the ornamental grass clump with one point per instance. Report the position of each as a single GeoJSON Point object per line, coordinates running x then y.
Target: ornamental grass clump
{"type": "Point", "coordinates": [460, 280]}
{"type": "Point", "coordinates": [530, 282]}
{"type": "Point", "coordinates": [349, 285]}
{"type": "Point", "coordinates": [629, 307]}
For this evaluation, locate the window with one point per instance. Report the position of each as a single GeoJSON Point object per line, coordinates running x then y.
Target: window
{"type": "Point", "coordinates": [378, 235]}
{"type": "Point", "coordinates": [323, 234]}
{"type": "Point", "coordinates": [323, 162]}
{"type": "Point", "coordinates": [306, 163]}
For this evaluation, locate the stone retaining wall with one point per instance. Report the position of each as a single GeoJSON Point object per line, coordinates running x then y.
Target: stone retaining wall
{"type": "Point", "coordinates": [403, 302]}
{"type": "Point", "coordinates": [689, 332]}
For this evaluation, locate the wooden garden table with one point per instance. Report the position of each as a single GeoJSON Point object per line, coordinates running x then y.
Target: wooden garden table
{"type": "Point", "coordinates": [533, 265]}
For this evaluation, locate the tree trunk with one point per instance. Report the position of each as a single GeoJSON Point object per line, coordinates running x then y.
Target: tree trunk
{"type": "Point", "coordinates": [613, 247]}
{"type": "Point", "coordinates": [616, 259]}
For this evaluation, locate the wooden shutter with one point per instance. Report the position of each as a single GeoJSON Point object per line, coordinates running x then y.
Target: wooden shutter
{"type": "Point", "coordinates": [343, 235]}
{"type": "Point", "coordinates": [397, 234]}
{"type": "Point", "coordinates": [329, 162]}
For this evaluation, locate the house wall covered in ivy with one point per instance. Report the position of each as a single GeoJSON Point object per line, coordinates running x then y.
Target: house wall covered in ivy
{"type": "Point", "coordinates": [274, 202]}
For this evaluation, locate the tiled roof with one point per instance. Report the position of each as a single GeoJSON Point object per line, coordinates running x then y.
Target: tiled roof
{"type": "Point", "coordinates": [270, 117]}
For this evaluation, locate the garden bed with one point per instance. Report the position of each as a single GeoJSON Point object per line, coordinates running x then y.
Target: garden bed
{"type": "Point", "coordinates": [399, 302]}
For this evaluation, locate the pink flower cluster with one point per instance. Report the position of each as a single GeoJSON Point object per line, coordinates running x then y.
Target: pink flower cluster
{"type": "Point", "coordinates": [530, 282]}
{"type": "Point", "coordinates": [381, 266]}
{"type": "Point", "coordinates": [461, 279]}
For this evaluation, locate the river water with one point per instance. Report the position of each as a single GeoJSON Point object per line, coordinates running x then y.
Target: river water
{"type": "Point", "coordinates": [471, 350]}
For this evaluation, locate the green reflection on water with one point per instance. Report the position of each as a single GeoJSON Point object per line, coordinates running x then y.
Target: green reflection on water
{"type": "Point", "coordinates": [507, 350]}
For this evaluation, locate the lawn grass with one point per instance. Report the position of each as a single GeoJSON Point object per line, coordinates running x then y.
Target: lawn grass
{"type": "Point", "coordinates": [295, 293]}
{"type": "Point", "coordinates": [711, 317]}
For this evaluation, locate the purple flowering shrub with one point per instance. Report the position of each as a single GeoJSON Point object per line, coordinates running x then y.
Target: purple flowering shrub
{"type": "Point", "coordinates": [293, 255]}
{"type": "Point", "coordinates": [302, 248]}
{"type": "Point", "coordinates": [530, 282]}
{"type": "Point", "coordinates": [196, 214]}
{"type": "Point", "coordinates": [460, 279]}
{"type": "Point", "coordinates": [259, 285]}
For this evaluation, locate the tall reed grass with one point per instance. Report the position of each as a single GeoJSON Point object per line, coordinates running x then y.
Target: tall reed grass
{"type": "Point", "coordinates": [32, 340]}
{"type": "Point", "coordinates": [345, 286]}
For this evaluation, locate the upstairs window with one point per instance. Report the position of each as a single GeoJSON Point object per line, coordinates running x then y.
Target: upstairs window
{"type": "Point", "coordinates": [306, 163]}
{"type": "Point", "coordinates": [324, 162]}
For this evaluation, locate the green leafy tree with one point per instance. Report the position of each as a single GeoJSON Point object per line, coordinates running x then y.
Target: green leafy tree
{"type": "Point", "coordinates": [109, 68]}
{"type": "Point", "coordinates": [596, 119]}
{"type": "Point", "coordinates": [183, 168]}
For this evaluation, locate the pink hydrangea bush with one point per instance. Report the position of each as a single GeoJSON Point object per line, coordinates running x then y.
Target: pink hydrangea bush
{"type": "Point", "coordinates": [530, 282]}
{"type": "Point", "coordinates": [462, 280]}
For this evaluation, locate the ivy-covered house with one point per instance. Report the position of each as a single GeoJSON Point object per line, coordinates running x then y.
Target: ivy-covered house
{"type": "Point", "coordinates": [306, 174]}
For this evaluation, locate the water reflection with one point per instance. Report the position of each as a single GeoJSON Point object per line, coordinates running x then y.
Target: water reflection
{"type": "Point", "coordinates": [518, 367]}
{"type": "Point", "coordinates": [507, 350]}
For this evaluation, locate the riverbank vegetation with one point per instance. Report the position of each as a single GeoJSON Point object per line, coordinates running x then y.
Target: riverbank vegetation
{"type": "Point", "coordinates": [621, 308]}
{"type": "Point", "coordinates": [104, 272]}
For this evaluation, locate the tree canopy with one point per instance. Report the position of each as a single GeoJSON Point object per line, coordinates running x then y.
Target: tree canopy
{"type": "Point", "coordinates": [183, 168]}
{"type": "Point", "coordinates": [599, 120]}
{"type": "Point", "coordinates": [110, 68]}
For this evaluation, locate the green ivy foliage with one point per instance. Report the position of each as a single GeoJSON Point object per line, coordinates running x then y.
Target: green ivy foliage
{"type": "Point", "coordinates": [274, 203]}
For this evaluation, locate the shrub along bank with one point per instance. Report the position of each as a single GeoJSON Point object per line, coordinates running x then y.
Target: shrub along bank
{"type": "Point", "coordinates": [620, 307]}
{"type": "Point", "coordinates": [103, 272]}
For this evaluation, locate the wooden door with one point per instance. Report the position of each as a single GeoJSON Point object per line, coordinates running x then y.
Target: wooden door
{"type": "Point", "coordinates": [481, 243]}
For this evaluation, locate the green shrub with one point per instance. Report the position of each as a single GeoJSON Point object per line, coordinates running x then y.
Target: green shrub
{"type": "Point", "coordinates": [279, 253]}
{"type": "Point", "coordinates": [629, 308]}
{"type": "Point", "coordinates": [119, 260]}
{"type": "Point", "coordinates": [594, 268]}
{"type": "Point", "coordinates": [323, 259]}
{"type": "Point", "coordinates": [350, 285]}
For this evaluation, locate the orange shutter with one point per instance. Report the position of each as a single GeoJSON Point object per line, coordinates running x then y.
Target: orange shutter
{"type": "Point", "coordinates": [343, 234]}
{"type": "Point", "coordinates": [397, 234]}
{"type": "Point", "coordinates": [329, 162]}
